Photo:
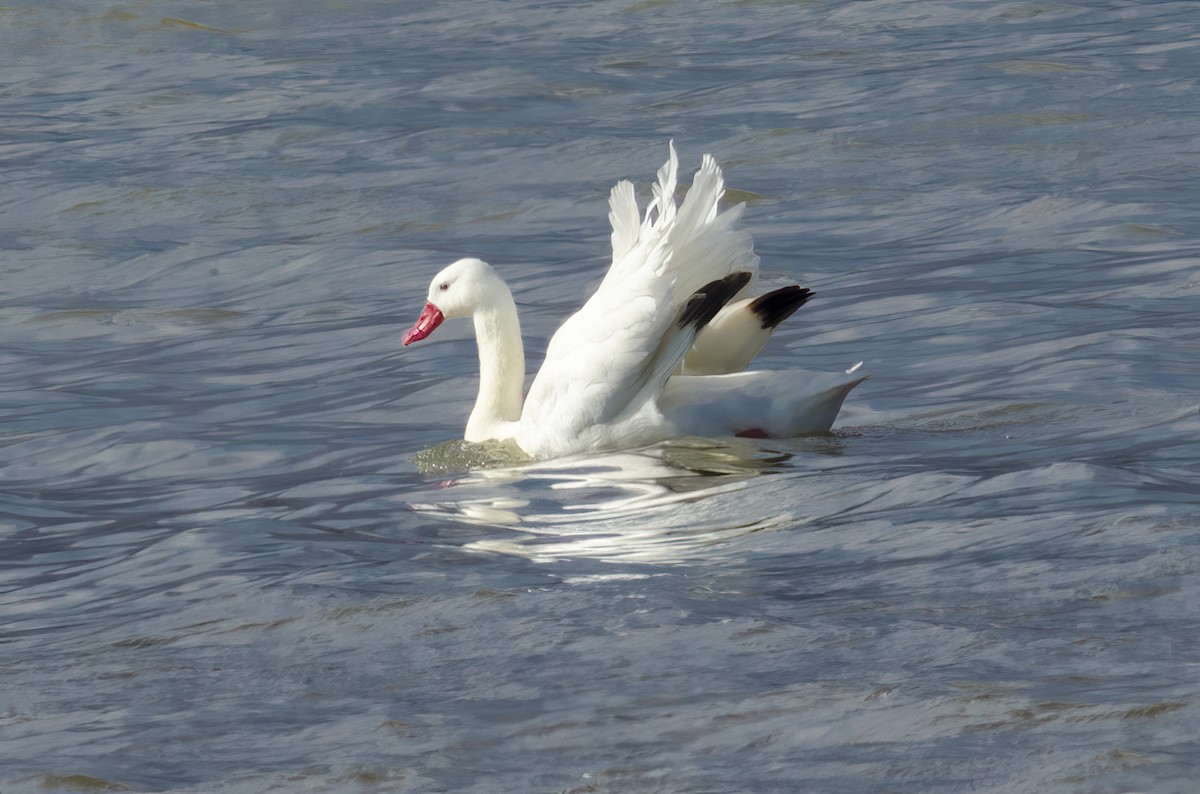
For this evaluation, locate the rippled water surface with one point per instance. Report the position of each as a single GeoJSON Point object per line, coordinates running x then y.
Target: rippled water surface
{"type": "Point", "coordinates": [223, 569]}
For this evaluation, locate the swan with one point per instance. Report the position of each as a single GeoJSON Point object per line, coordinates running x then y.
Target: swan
{"type": "Point", "coordinates": [657, 352]}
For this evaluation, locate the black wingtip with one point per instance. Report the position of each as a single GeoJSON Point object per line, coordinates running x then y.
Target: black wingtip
{"type": "Point", "coordinates": [775, 307]}
{"type": "Point", "coordinates": [708, 300]}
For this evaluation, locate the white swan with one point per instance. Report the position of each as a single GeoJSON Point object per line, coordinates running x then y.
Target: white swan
{"type": "Point", "coordinates": [656, 352]}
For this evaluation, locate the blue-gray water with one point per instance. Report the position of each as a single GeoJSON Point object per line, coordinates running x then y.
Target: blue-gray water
{"type": "Point", "coordinates": [222, 571]}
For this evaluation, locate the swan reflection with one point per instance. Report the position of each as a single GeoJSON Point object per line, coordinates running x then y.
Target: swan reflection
{"type": "Point", "coordinates": [658, 504]}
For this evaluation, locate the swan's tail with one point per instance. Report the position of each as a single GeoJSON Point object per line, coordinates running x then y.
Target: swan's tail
{"type": "Point", "coordinates": [775, 404]}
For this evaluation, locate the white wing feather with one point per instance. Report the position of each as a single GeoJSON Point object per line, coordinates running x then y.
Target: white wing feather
{"type": "Point", "coordinates": [624, 219]}
{"type": "Point", "coordinates": [595, 370]}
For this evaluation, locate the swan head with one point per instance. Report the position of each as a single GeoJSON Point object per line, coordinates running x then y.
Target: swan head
{"type": "Point", "coordinates": [459, 290]}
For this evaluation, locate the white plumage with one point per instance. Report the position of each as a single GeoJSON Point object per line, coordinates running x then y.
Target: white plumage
{"type": "Point", "coordinates": [617, 373]}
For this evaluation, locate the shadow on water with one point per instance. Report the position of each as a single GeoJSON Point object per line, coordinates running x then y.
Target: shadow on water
{"type": "Point", "coordinates": [657, 504]}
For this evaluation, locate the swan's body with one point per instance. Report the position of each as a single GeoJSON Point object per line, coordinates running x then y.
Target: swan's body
{"type": "Point", "coordinates": [656, 352]}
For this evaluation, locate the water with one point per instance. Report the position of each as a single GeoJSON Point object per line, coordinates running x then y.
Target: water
{"type": "Point", "coordinates": [223, 571]}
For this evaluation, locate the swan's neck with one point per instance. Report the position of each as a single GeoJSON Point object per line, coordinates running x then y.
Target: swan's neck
{"type": "Point", "coordinates": [501, 372]}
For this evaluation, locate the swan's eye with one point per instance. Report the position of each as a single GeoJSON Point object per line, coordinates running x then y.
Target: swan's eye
{"type": "Point", "coordinates": [445, 285]}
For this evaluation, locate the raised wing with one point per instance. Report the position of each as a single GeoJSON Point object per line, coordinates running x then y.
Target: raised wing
{"type": "Point", "coordinates": [612, 357]}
